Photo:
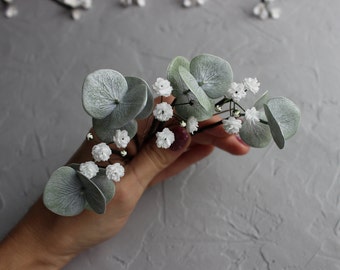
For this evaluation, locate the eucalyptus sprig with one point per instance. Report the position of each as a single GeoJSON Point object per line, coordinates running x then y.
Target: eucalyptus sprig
{"type": "Point", "coordinates": [202, 88]}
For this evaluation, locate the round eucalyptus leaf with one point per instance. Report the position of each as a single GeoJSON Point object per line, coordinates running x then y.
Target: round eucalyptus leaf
{"type": "Point", "coordinates": [106, 186]}
{"type": "Point", "coordinates": [129, 107]}
{"type": "Point", "coordinates": [94, 196]}
{"type": "Point", "coordinates": [213, 74]}
{"type": "Point", "coordinates": [262, 100]}
{"type": "Point", "coordinates": [285, 113]}
{"type": "Point", "coordinates": [195, 89]}
{"type": "Point", "coordinates": [147, 110]}
{"type": "Point", "coordinates": [104, 128]}
{"type": "Point", "coordinates": [185, 110]}
{"type": "Point", "coordinates": [173, 74]}
{"type": "Point", "coordinates": [102, 91]}
{"type": "Point", "coordinates": [63, 192]}
{"type": "Point", "coordinates": [255, 135]}
{"type": "Point", "coordinates": [274, 128]}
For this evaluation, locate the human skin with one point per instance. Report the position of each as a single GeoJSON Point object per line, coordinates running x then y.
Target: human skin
{"type": "Point", "coordinates": [44, 240]}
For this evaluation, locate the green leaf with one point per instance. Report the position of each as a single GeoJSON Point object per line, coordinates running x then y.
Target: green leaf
{"type": "Point", "coordinates": [255, 135]}
{"type": "Point", "coordinates": [195, 89]}
{"type": "Point", "coordinates": [130, 106]}
{"type": "Point", "coordinates": [104, 128]}
{"type": "Point", "coordinates": [63, 192]}
{"type": "Point", "coordinates": [173, 74]}
{"type": "Point", "coordinates": [213, 74]}
{"type": "Point", "coordinates": [283, 118]}
{"type": "Point", "coordinates": [101, 181]}
{"type": "Point", "coordinates": [147, 110]}
{"type": "Point", "coordinates": [193, 109]}
{"type": "Point", "coordinates": [262, 100]}
{"type": "Point", "coordinates": [94, 196]}
{"type": "Point", "coordinates": [102, 91]}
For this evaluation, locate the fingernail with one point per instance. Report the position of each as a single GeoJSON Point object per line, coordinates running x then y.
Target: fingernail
{"type": "Point", "coordinates": [240, 140]}
{"type": "Point", "coordinates": [181, 138]}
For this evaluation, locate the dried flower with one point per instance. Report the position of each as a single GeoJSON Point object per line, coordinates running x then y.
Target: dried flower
{"type": "Point", "coordinates": [236, 91]}
{"type": "Point", "coordinates": [101, 152]}
{"type": "Point", "coordinates": [163, 111]}
{"type": "Point", "coordinates": [251, 84]}
{"type": "Point", "coordinates": [162, 87]}
{"type": "Point", "coordinates": [192, 125]}
{"type": "Point", "coordinates": [252, 115]}
{"type": "Point", "coordinates": [232, 125]}
{"type": "Point", "coordinates": [89, 169]}
{"type": "Point", "coordinates": [115, 172]}
{"type": "Point", "coordinates": [121, 138]}
{"type": "Point", "coordinates": [165, 138]}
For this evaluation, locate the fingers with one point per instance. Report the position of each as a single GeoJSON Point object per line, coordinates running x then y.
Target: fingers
{"type": "Point", "coordinates": [151, 160]}
{"type": "Point", "coordinates": [228, 143]}
{"type": "Point", "coordinates": [188, 158]}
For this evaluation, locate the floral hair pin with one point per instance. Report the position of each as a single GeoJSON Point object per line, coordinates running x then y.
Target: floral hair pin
{"type": "Point", "coordinates": [199, 89]}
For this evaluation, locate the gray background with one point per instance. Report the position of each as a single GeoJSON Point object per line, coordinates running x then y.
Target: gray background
{"type": "Point", "coordinates": [270, 209]}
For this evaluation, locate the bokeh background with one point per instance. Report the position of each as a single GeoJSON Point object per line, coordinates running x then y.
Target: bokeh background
{"type": "Point", "coordinates": [271, 209]}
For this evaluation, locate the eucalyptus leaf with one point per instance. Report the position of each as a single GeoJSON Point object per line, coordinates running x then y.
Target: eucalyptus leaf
{"type": "Point", "coordinates": [274, 128]}
{"type": "Point", "coordinates": [262, 100]}
{"type": "Point", "coordinates": [130, 106]}
{"type": "Point", "coordinates": [285, 113]}
{"type": "Point", "coordinates": [104, 128]}
{"type": "Point", "coordinates": [195, 89]}
{"type": "Point", "coordinates": [147, 110]}
{"type": "Point", "coordinates": [213, 74]}
{"type": "Point", "coordinates": [94, 196]}
{"type": "Point", "coordinates": [255, 134]}
{"type": "Point", "coordinates": [185, 110]}
{"type": "Point", "coordinates": [102, 91]}
{"type": "Point", "coordinates": [64, 192]}
{"type": "Point", "coordinates": [173, 74]}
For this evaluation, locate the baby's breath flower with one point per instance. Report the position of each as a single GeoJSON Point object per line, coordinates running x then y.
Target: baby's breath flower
{"type": "Point", "coordinates": [114, 172]}
{"type": "Point", "coordinates": [162, 87]}
{"type": "Point", "coordinates": [232, 125]}
{"type": "Point", "coordinates": [121, 138]}
{"type": "Point", "coordinates": [192, 125]}
{"type": "Point", "coordinates": [163, 111]}
{"type": "Point", "coordinates": [261, 11]}
{"type": "Point", "coordinates": [252, 115]}
{"type": "Point", "coordinates": [89, 169]}
{"type": "Point", "coordinates": [165, 138]}
{"type": "Point", "coordinates": [251, 84]}
{"type": "Point", "coordinates": [101, 152]}
{"type": "Point", "coordinates": [236, 91]}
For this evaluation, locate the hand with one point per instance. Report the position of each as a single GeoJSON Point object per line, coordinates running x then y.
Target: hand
{"type": "Point", "coordinates": [54, 240]}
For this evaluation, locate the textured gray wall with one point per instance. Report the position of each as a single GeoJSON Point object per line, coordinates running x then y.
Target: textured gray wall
{"type": "Point", "coordinates": [268, 210]}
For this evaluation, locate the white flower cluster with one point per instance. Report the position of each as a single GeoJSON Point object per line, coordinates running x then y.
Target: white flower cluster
{"type": "Point", "coordinates": [102, 152]}
{"type": "Point", "coordinates": [264, 10]}
{"type": "Point", "coordinates": [162, 88]}
{"type": "Point", "coordinates": [140, 3]}
{"type": "Point", "coordinates": [121, 138]}
{"type": "Point", "coordinates": [237, 91]}
{"type": "Point", "coordinates": [232, 125]}
{"type": "Point", "coordinates": [163, 112]}
{"type": "Point", "coordinates": [190, 3]}
{"type": "Point", "coordinates": [165, 138]}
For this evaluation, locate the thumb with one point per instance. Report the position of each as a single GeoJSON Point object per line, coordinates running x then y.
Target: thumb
{"type": "Point", "coordinates": [151, 160]}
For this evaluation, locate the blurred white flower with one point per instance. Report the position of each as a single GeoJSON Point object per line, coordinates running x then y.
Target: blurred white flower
{"type": "Point", "coordinates": [260, 10]}
{"type": "Point", "coordinates": [89, 169]}
{"type": "Point", "coordinates": [275, 13]}
{"type": "Point", "coordinates": [252, 115]}
{"type": "Point", "coordinates": [251, 84]}
{"type": "Point", "coordinates": [236, 91]}
{"type": "Point", "coordinates": [192, 124]}
{"type": "Point", "coordinates": [165, 138]}
{"type": "Point", "coordinates": [163, 111]}
{"type": "Point", "coordinates": [121, 138]}
{"type": "Point", "coordinates": [115, 172]}
{"type": "Point", "coordinates": [101, 152]}
{"type": "Point", "coordinates": [162, 87]}
{"type": "Point", "coordinates": [232, 125]}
